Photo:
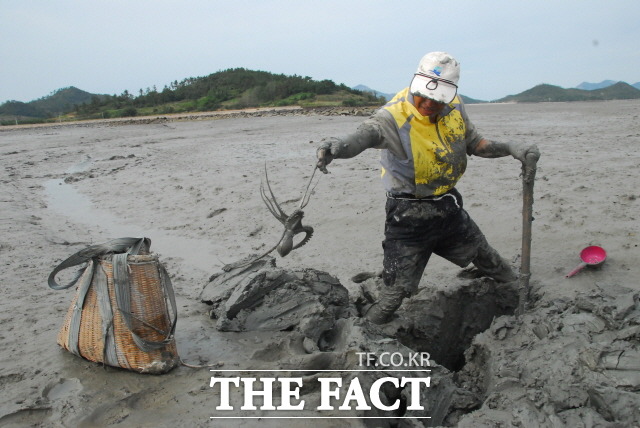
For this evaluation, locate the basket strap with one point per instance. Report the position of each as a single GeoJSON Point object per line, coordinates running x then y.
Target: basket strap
{"type": "Point", "coordinates": [76, 315]}
{"type": "Point", "coordinates": [122, 285]}
{"type": "Point", "coordinates": [109, 355]}
{"type": "Point", "coordinates": [130, 245]}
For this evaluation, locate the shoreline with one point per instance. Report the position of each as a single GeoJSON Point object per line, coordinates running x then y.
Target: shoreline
{"type": "Point", "coordinates": [209, 115]}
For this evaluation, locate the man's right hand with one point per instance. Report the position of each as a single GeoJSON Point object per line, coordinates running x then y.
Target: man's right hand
{"type": "Point", "coordinates": [324, 156]}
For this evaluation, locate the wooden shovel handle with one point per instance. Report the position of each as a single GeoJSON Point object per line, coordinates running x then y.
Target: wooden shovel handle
{"type": "Point", "coordinates": [528, 178]}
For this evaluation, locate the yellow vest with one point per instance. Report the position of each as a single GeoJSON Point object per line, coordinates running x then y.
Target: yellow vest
{"type": "Point", "coordinates": [436, 153]}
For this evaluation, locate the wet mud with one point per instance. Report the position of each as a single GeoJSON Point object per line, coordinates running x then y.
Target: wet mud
{"type": "Point", "coordinates": [193, 188]}
{"type": "Point", "coordinates": [486, 364]}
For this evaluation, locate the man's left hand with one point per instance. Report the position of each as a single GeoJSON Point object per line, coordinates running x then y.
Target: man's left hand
{"type": "Point", "coordinates": [521, 150]}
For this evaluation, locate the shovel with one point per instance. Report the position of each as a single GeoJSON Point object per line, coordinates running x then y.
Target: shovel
{"type": "Point", "coordinates": [591, 256]}
{"type": "Point", "coordinates": [528, 177]}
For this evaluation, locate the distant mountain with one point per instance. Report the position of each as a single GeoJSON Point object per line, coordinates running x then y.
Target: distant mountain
{"type": "Point", "coordinates": [618, 91]}
{"type": "Point", "coordinates": [364, 88]}
{"type": "Point", "coordinates": [58, 102]}
{"type": "Point", "coordinates": [604, 84]}
{"type": "Point", "coordinates": [468, 100]}
{"type": "Point", "coordinates": [551, 93]}
{"type": "Point", "coordinates": [591, 86]}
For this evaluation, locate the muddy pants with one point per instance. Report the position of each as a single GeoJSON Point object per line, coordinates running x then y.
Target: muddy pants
{"type": "Point", "coordinates": [415, 229]}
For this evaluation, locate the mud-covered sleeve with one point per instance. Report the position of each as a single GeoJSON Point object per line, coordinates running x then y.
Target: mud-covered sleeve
{"type": "Point", "coordinates": [472, 136]}
{"type": "Point", "coordinates": [367, 136]}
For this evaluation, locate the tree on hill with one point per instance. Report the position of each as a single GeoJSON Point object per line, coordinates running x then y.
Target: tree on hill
{"type": "Point", "coordinates": [20, 109]}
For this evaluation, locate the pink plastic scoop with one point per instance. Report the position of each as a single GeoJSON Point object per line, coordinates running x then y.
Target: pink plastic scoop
{"type": "Point", "coordinates": [592, 256]}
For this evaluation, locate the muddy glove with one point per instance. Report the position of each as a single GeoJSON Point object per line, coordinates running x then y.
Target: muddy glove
{"type": "Point", "coordinates": [520, 151]}
{"type": "Point", "coordinates": [324, 154]}
{"type": "Point", "coordinates": [366, 136]}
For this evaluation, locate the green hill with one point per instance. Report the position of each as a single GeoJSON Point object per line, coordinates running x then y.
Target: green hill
{"type": "Point", "coordinates": [469, 100]}
{"type": "Point", "coordinates": [18, 109]}
{"type": "Point", "coordinates": [58, 102]}
{"type": "Point", "coordinates": [618, 91]}
{"type": "Point", "coordinates": [229, 89]}
{"type": "Point", "coordinates": [551, 93]}
{"type": "Point", "coordinates": [63, 100]}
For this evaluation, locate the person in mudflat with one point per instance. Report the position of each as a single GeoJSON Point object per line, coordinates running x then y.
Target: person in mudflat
{"type": "Point", "coordinates": [425, 136]}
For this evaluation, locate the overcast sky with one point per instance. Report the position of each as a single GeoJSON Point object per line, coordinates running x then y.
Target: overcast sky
{"type": "Point", "coordinates": [504, 47]}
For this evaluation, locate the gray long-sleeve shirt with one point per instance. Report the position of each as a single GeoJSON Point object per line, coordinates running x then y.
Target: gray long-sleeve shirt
{"type": "Point", "coordinates": [418, 157]}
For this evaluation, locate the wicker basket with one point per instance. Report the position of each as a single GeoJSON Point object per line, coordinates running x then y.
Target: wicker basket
{"type": "Point", "coordinates": [120, 314]}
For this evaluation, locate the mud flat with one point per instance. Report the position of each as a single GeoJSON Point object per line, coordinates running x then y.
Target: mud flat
{"type": "Point", "coordinates": [192, 186]}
